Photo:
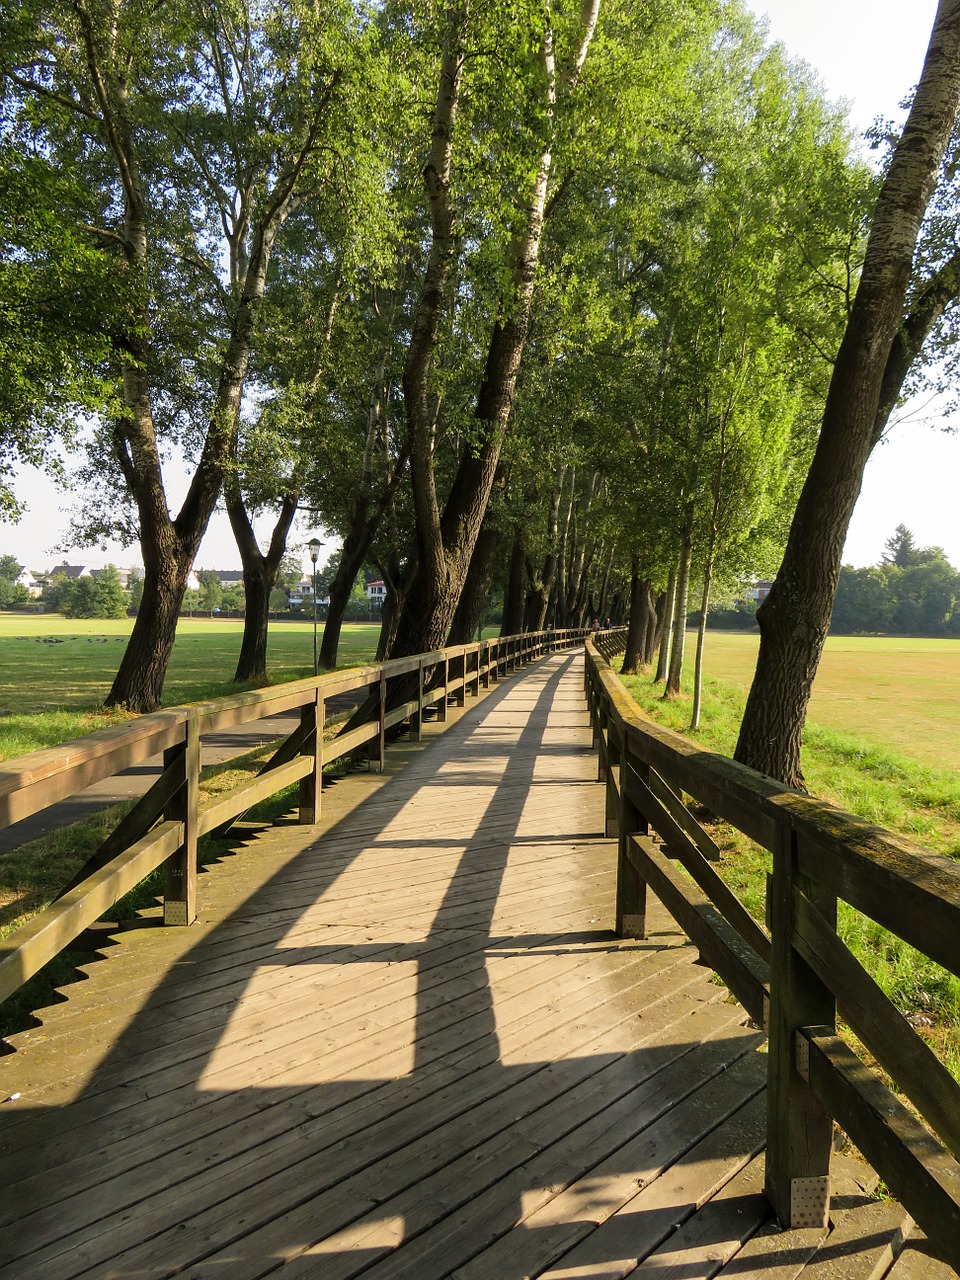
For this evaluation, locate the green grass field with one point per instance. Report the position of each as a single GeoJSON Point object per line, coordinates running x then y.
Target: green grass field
{"type": "Point", "coordinates": [55, 672]}
{"type": "Point", "coordinates": [901, 694]}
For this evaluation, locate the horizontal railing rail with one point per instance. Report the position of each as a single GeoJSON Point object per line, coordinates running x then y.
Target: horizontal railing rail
{"type": "Point", "coordinates": [165, 823]}
{"type": "Point", "coordinates": [794, 975]}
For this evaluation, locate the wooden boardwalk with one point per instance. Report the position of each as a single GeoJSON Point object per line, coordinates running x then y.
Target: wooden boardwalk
{"type": "Point", "coordinates": [413, 1048]}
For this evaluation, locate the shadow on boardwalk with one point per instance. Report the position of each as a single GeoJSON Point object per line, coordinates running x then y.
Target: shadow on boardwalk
{"type": "Point", "coordinates": [418, 1051]}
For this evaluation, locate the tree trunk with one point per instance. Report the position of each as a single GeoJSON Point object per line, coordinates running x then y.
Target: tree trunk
{"type": "Point", "coordinates": [259, 578]}
{"type": "Point", "coordinates": [701, 637]}
{"type": "Point", "coordinates": [548, 575]}
{"type": "Point", "coordinates": [654, 627]}
{"type": "Point", "coordinates": [512, 621]}
{"type": "Point", "coordinates": [638, 620]}
{"type": "Point", "coordinates": [795, 616]}
{"type": "Point", "coordinates": [468, 619]}
{"type": "Point", "coordinates": [143, 667]}
{"type": "Point", "coordinates": [397, 578]}
{"type": "Point", "coordinates": [666, 628]}
{"type": "Point", "coordinates": [355, 548]}
{"type": "Point", "coordinates": [680, 612]}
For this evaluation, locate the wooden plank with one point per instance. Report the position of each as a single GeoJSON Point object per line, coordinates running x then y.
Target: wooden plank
{"type": "Point", "coordinates": [680, 846]}
{"type": "Point", "coordinates": [24, 952]}
{"type": "Point", "coordinates": [215, 812]}
{"type": "Point", "coordinates": [134, 824]}
{"type": "Point", "coordinates": [560, 1206]}
{"type": "Point", "coordinates": [467, 1074]}
{"type": "Point", "coordinates": [340, 1146]}
{"type": "Point", "coordinates": [344, 743]}
{"type": "Point", "coordinates": [683, 817]}
{"type": "Point", "coordinates": [863, 1245]}
{"type": "Point", "coordinates": [914, 1067]}
{"type": "Point", "coordinates": [700, 1247]}
{"type": "Point", "coordinates": [917, 1169]}
{"type": "Point", "coordinates": [32, 783]}
{"type": "Point", "coordinates": [721, 947]}
{"type": "Point", "coordinates": [917, 1261]}
{"type": "Point", "coordinates": [914, 894]}
{"type": "Point", "coordinates": [646, 1220]}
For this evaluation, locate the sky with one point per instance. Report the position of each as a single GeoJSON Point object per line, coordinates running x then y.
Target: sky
{"type": "Point", "coordinates": [866, 52]}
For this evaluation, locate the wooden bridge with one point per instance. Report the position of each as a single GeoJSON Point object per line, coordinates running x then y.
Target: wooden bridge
{"type": "Point", "coordinates": [406, 1040]}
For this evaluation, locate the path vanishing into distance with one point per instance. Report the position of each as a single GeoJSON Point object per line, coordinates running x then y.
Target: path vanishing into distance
{"type": "Point", "coordinates": [407, 1043]}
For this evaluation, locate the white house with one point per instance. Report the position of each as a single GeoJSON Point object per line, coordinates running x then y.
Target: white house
{"type": "Point", "coordinates": [376, 592]}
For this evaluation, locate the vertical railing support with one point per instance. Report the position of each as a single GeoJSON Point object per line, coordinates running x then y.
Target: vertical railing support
{"type": "Point", "coordinates": [312, 716]}
{"type": "Point", "coordinates": [416, 721]}
{"type": "Point", "coordinates": [611, 806]}
{"type": "Point", "coordinates": [631, 888]}
{"type": "Point", "coordinates": [799, 1131]}
{"type": "Point", "coordinates": [446, 685]}
{"type": "Point", "coordinates": [460, 697]}
{"type": "Point", "coordinates": [180, 869]}
{"type": "Point", "coordinates": [379, 744]}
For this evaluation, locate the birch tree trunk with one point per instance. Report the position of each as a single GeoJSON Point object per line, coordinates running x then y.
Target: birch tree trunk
{"type": "Point", "coordinates": [795, 616]}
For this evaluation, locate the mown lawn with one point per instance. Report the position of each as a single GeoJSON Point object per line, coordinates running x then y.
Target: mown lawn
{"type": "Point", "coordinates": [898, 693]}
{"type": "Point", "coordinates": [55, 672]}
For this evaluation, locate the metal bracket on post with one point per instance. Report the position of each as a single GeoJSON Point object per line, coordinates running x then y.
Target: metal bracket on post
{"type": "Point", "coordinates": [809, 1202]}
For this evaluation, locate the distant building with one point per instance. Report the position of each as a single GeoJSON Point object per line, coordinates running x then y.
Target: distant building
{"type": "Point", "coordinates": [376, 592]}
{"type": "Point", "coordinates": [70, 571]}
{"type": "Point", "coordinates": [227, 577]}
{"type": "Point", "coordinates": [31, 585]}
{"type": "Point", "coordinates": [758, 591]}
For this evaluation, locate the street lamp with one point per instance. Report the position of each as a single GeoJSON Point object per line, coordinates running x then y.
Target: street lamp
{"type": "Point", "coordinates": [313, 546]}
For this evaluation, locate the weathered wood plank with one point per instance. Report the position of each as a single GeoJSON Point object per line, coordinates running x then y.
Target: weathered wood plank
{"type": "Point", "coordinates": [719, 944]}
{"type": "Point", "coordinates": [880, 1025]}
{"type": "Point", "coordinates": [920, 1173]}
{"type": "Point", "coordinates": [25, 952]}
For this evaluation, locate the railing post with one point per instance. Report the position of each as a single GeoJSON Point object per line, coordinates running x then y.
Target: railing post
{"type": "Point", "coordinates": [484, 653]}
{"type": "Point", "coordinates": [461, 694]}
{"type": "Point", "coordinates": [611, 822]}
{"type": "Point", "coordinates": [446, 682]}
{"type": "Point", "coordinates": [180, 870]}
{"type": "Point", "coordinates": [631, 888]}
{"type": "Point", "coordinates": [416, 721]}
{"type": "Point", "coordinates": [378, 747]}
{"type": "Point", "coordinates": [312, 716]}
{"type": "Point", "coordinates": [799, 1130]}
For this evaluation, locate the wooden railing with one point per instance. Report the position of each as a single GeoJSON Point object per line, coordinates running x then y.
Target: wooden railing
{"type": "Point", "coordinates": [164, 825]}
{"type": "Point", "coordinates": [794, 978]}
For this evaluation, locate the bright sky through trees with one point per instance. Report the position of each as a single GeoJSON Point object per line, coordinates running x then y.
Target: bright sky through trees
{"type": "Point", "coordinates": [868, 52]}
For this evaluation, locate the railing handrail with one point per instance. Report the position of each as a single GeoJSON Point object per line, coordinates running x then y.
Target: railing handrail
{"type": "Point", "coordinates": [793, 980]}
{"type": "Point", "coordinates": [165, 823]}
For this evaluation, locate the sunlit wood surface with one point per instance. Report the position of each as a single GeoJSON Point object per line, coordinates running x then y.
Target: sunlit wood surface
{"type": "Point", "coordinates": [415, 1050]}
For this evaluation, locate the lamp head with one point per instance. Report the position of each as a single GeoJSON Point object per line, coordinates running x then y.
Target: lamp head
{"type": "Point", "coordinates": [313, 546]}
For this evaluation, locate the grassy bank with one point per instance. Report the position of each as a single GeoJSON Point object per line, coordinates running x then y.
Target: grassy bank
{"type": "Point", "coordinates": [55, 672]}
{"type": "Point", "coordinates": [883, 786]}
{"type": "Point", "coordinates": [901, 694]}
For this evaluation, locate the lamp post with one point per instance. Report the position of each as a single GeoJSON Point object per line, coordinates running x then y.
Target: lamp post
{"type": "Point", "coordinates": [314, 548]}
